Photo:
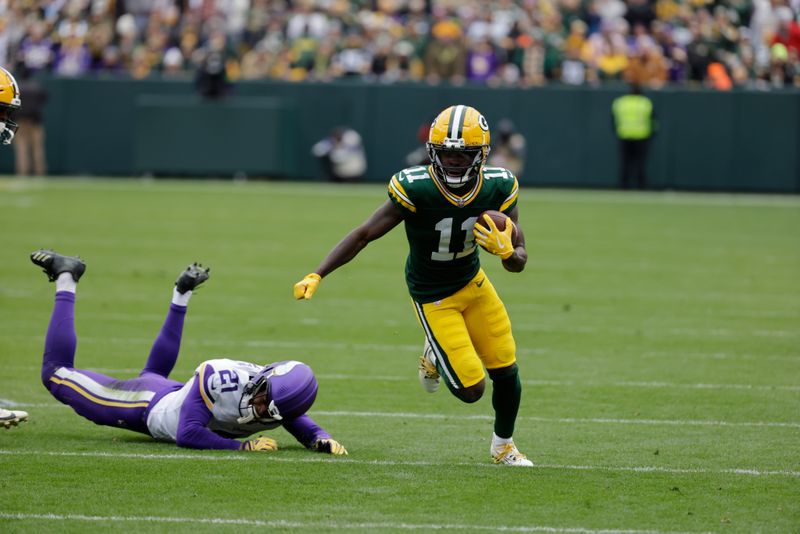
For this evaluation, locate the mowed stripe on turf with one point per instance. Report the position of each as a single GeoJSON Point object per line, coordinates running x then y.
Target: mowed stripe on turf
{"type": "Point", "coordinates": [743, 471]}
{"type": "Point", "coordinates": [323, 525]}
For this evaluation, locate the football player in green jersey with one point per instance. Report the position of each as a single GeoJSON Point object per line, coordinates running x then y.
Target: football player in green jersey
{"type": "Point", "coordinates": [9, 103]}
{"type": "Point", "coordinates": [466, 325]}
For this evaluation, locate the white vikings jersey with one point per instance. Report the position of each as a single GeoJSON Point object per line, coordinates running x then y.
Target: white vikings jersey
{"type": "Point", "coordinates": [219, 383]}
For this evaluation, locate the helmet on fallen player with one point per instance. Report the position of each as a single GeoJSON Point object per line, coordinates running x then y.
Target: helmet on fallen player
{"type": "Point", "coordinates": [458, 145]}
{"type": "Point", "coordinates": [9, 102]}
{"type": "Point", "coordinates": [290, 389]}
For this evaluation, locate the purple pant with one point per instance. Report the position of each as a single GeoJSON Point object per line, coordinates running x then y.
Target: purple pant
{"type": "Point", "coordinates": [99, 398]}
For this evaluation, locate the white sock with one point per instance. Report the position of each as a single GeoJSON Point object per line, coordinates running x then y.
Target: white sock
{"type": "Point", "coordinates": [498, 441]}
{"type": "Point", "coordinates": [65, 282]}
{"type": "Point", "coordinates": [180, 300]}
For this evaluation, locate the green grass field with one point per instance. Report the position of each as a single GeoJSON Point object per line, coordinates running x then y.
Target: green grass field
{"type": "Point", "coordinates": [659, 346]}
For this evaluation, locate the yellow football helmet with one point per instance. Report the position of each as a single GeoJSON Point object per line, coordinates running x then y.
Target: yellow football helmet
{"type": "Point", "coordinates": [458, 145]}
{"type": "Point", "coordinates": [9, 102]}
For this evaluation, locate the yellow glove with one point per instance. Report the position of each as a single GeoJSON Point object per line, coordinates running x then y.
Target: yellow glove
{"type": "Point", "coordinates": [260, 444]}
{"type": "Point", "coordinates": [330, 446]}
{"type": "Point", "coordinates": [305, 288]}
{"type": "Point", "coordinates": [493, 240]}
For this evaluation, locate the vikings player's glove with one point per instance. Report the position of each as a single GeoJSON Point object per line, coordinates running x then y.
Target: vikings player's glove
{"type": "Point", "coordinates": [260, 444]}
{"type": "Point", "coordinates": [493, 240]}
{"type": "Point", "coordinates": [305, 288]}
{"type": "Point", "coordinates": [330, 446]}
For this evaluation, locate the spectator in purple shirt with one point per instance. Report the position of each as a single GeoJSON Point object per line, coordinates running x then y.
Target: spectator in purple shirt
{"type": "Point", "coordinates": [73, 58]}
{"type": "Point", "coordinates": [482, 61]}
{"type": "Point", "coordinates": [36, 50]}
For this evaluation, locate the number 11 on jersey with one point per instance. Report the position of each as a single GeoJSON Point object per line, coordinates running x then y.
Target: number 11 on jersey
{"type": "Point", "coordinates": [445, 229]}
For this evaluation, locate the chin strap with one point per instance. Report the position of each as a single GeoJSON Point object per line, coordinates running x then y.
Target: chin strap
{"type": "Point", "coordinates": [458, 188]}
{"type": "Point", "coordinates": [273, 411]}
{"type": "Point", "coordinates": [251, 415]}
{"type": "Point", "coordinates": [247, 418]}
{"type": "Point", "coordinates": [459, 185]}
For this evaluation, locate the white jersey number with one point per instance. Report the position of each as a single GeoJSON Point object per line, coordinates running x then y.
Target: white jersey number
{"type": "Point", "coordinates": [445, 229]}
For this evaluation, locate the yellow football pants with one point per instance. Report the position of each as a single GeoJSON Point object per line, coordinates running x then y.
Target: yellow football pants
{"type": "Point", "coordinates": [468, 331]}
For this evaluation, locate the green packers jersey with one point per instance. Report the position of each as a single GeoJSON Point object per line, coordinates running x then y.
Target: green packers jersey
{"type": "Point", "coordinates": [442, 254]}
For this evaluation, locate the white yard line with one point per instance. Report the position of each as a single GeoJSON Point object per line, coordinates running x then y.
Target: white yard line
{"type": "Point", "coordinates": [417, 348]}
{"type": "Point", "coordinates": [673, 385]}
{"type": "Point", "coordinates": [550, 383]}
{"type": "Point", "coordinates": [689, 356]}
{"type": "Point", "coordinates": [320, 525]}
{"type": "Point", "coordinates": [565, 420]}
{"type": "Point", "coordinates": [351, 461]}
{"type": "Point", "coordinates": [658, 331]}
{"type": "Point", "coordinates": [414, 349]}
{"type": "Point", "coordinates": [677, 198]}
{"type": "Point", "coordinates": [280, 344]}
{"type": "Point", "coordinates": [553, 420]}
{"type": "Point", "coordinates": [532, 195]}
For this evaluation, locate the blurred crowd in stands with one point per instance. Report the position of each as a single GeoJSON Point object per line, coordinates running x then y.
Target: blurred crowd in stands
{"type": "Point", "coordinates": [523, 43]}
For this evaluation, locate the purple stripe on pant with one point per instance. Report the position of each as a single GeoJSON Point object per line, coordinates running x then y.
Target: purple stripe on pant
{"type": "Point", "coordinates": [85, 391]}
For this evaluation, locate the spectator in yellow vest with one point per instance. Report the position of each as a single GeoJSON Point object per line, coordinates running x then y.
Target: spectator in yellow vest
{"type": "Point", "coordinates": [634, 124]}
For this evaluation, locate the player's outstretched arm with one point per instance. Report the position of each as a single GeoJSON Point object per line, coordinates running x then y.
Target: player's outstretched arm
{"type": "Point", "coordinates": [516, 262]}
{"type": "Point", "coordinates": [377, 225]}
{"type": "Point", "coordinates": [313, 436]}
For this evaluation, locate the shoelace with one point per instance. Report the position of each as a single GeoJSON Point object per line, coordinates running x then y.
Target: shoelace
{"type": "Point", "coordinates": [508, 451]}
{"type": "Point", "coordinates": [428, 367]}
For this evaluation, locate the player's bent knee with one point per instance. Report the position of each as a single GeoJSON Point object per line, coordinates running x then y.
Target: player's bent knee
{"type": "Point", "coordinates": [472, 393]}
{"type": "Point", "coordinates": [503, 372]}
{"type": "Point", "coordinates": [48, 370]}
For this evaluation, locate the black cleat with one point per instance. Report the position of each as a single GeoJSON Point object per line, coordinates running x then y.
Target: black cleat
{"type": "Point", "coordinates": [193, 276]}
{"type": "Point", "coordinates": [53, 264]}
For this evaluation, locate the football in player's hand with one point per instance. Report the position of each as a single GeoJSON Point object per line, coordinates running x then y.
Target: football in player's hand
{"type": "Point", "coordinates": [499, 219]}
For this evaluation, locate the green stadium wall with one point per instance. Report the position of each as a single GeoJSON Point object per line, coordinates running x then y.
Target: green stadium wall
{"type": "Point", "coordinates": [737, 141]}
